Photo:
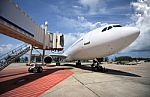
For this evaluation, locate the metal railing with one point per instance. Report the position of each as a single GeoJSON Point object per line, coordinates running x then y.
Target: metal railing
{"type": "Point", "coordinates": [12, 55]}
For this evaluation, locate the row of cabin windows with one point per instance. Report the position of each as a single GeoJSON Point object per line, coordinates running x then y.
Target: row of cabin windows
{"type": "Point", "coordinates": [110, 27]}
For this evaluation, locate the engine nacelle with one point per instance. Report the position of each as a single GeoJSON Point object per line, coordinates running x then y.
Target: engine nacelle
{"type": "Point", "coordinates": [48, 59]}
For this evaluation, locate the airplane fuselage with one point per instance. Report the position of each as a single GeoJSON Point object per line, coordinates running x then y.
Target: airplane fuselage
{"type": "Point", "coordinates": [102, 42]}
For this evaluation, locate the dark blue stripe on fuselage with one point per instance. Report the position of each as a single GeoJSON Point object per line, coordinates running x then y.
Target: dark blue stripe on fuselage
{"type": "Point", "coordinates": [6, 20]}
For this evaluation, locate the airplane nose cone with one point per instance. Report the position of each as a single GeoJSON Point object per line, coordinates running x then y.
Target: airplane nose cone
{"type": "Point", "coordinates": [132, 32]}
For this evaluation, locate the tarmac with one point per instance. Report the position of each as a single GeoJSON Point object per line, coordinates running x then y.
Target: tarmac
{"type": "Point", "coordinates": [118, 81]}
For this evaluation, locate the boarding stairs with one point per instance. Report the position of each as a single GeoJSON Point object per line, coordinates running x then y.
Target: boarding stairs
{"type": "Point", "coordinates": [11, 56]}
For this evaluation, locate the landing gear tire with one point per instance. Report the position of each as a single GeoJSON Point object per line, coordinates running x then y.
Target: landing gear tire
{"type": "Point", "coordinates": [101, 69]}
{"type": "Point", "coordinates": [78, 63]}
{"type": "Point", "coordinates": [30, 70]}
{"type": "Point", "coordinates": [58, 64]}
{"type": "Point", "coordinates": [35, 69]}
{"type": "Point", "coordinates": [39, 69]}
{"type": "Point", "coordinates": [57, 61]}
{"type": "Point", "coordinates": [92, 66]}
{"type": "Point", "coordinates": [97, 67]}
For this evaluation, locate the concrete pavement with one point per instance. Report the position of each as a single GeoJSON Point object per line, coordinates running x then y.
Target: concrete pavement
{"type": "Point", "coordinates": [119, 81]}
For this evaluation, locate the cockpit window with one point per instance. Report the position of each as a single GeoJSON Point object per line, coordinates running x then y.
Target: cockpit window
{"type": "Point", "coordinates": [109, 27]}
{"type": "Point", "coordinates": [117, 26]}
{"type": "Point", "coordinates": [104, 29]}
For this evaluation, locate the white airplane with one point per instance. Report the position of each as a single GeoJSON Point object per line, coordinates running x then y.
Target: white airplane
{"type": "Point", "coordinates": [100, 42]}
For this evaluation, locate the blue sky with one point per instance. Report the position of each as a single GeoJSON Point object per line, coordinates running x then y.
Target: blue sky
{"type": "Point", "coordinates": [75, 17]}
{"type": "Point", "coordinates": [56, 12]}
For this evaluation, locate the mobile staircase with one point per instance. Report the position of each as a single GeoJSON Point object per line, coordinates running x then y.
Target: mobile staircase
{"type": "Point", "coordinates": [11, 56]}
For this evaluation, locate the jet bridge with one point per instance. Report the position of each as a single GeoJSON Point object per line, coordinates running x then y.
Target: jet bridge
{"type": "Point", "coordinates": [17, 24]}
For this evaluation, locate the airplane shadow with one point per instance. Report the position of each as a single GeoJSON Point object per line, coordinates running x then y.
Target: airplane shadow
{"type": "Point", "coordinates": [11, 84]}
{"type": "Point", "coordinates": [107, 70]}
{"type": "Point", "coordinates": [12, 74]}
{"type": "Point", "coordinates": [123, 73]}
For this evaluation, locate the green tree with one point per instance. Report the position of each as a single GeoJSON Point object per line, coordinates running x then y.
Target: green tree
{"type": "Point", "coordinates": [123, 58]}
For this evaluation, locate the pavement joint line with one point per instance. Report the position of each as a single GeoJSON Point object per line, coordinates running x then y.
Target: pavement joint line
{"type": "Point", "coordinates": [92, 91]}
{"type": "Point", "coordinates": [54, 90]}
{"type": "Point", "coordinates": [59, 89]}
{"type": "Point", "coordinates": [86, 86]}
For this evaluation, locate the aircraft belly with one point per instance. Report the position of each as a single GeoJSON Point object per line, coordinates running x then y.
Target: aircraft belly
{"type": "Point", "coordinates": [91, 53]}
{"type": "Point", "coordinates": [102, 50]}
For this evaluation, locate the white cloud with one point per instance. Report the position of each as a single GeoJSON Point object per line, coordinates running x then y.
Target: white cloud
{"type": "Point", "coordinates": [141, 20]}
{"type": "Point", "coordinates": [85, 24]}
{"type": "Point", "coordinates": [94, 6]}
{"type": "Point", "coordinates": [81, 24]}
{"type": "Point", "coordinates": [70, 38]}
{"type": "Point", "coordinates": [5, 47]}
{"type": "Point", "coordinates": [78, 27]}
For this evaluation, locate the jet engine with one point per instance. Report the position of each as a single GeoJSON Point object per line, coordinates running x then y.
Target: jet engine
{"type": "Point", "coordinates": [48, 59]}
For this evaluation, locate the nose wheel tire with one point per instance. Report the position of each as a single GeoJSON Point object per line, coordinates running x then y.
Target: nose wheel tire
{"type": "Point", "coordinates": [30, 70]}
{"type": "Point", "coordinates": [39, 69]}
{"type": "Point", "coordinates": [35, 69]}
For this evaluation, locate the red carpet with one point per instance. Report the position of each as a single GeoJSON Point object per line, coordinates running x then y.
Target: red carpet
{"type": "Point", "coordinates": [39, 86]}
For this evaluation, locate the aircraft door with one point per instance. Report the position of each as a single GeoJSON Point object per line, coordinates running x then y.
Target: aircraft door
{"type": "Point", "coordinates": [86, 39]}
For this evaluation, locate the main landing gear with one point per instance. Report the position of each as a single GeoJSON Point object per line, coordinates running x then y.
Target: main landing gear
{"type": "Point", "coordinates": [97, 67]}
{"type": "Point", "coordinates": [57, 61]}
{"type": "Point", "coordinates": [35, 68]}
{"type": "Point", "coordinates": [78, 63]}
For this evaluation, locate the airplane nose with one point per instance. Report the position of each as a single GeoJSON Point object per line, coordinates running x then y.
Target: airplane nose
{"type": "Point", "coordinates": [132, 32]}
{"type": "Point", "coordinates": [135, 31]}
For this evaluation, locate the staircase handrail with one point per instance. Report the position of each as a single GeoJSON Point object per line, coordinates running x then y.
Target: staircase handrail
{"type": "Point", "coordinates": [15, 50]}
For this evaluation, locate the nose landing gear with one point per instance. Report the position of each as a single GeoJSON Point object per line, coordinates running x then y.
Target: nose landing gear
{"type": "Point", "coordinates": [35, 68]}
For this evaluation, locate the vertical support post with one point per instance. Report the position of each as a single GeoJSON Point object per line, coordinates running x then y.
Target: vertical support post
{"type": "Point", "coordinates": [43, 57]}
{"type": "Point", "coordinates": [30, 54]}
{"type": "Point", "coordinates": [35, 58]}
{"type": "Point", "coordinates": [44, 44]}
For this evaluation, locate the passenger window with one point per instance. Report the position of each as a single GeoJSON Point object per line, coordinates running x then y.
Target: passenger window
{"type": "Point", "coordinates": [104, 29]}
{"type": "Point", "coordinates": [109, 27]}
